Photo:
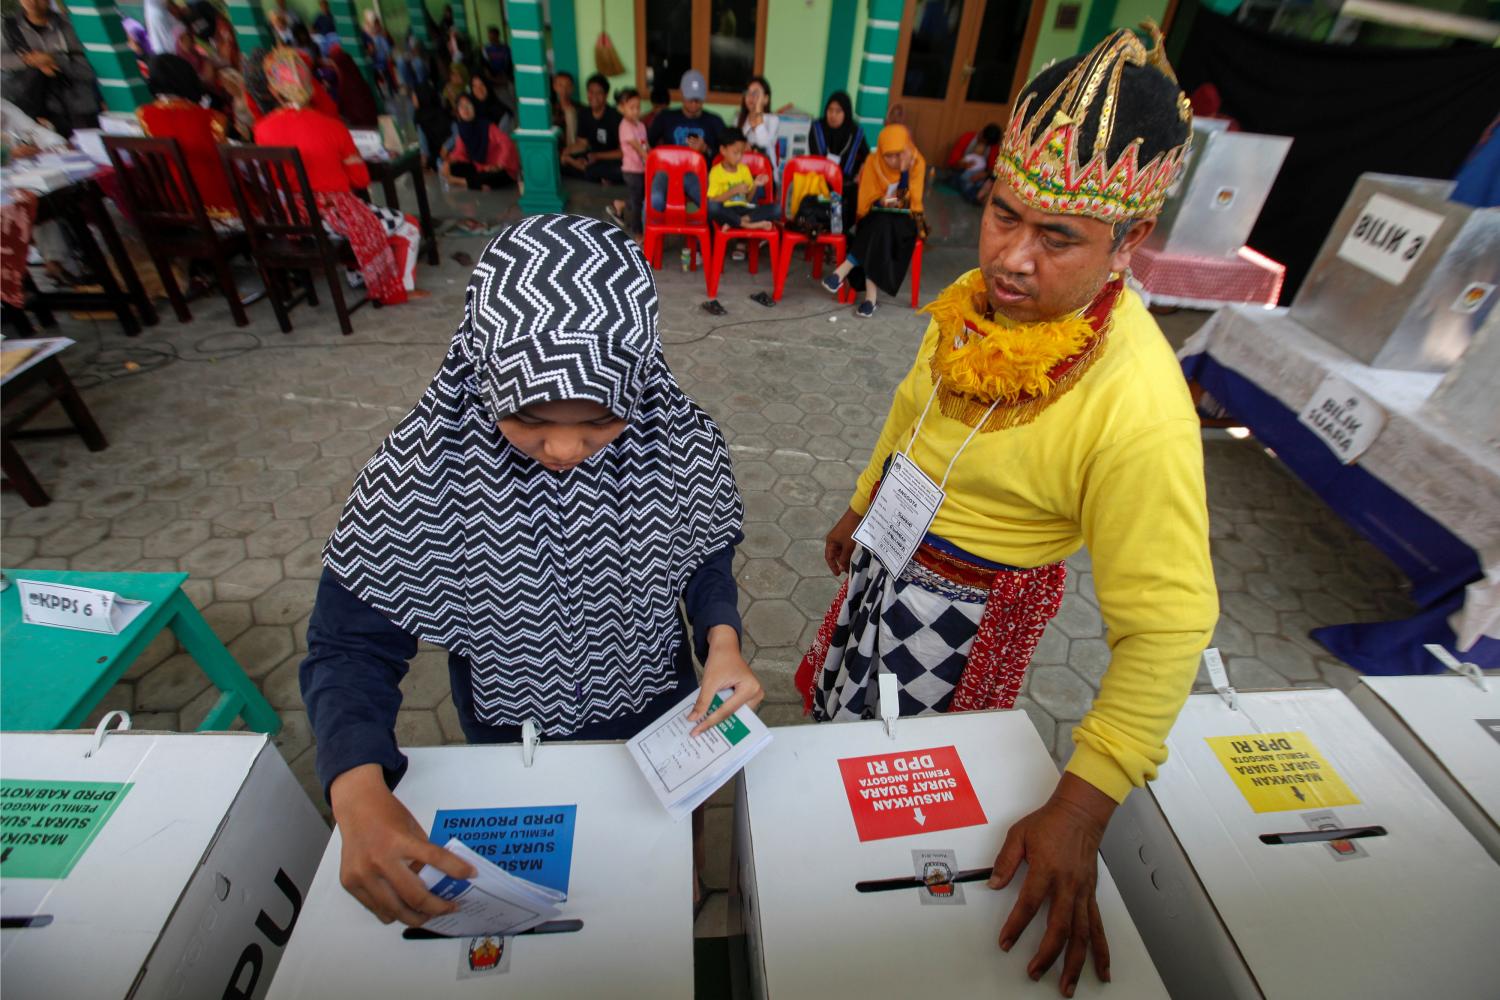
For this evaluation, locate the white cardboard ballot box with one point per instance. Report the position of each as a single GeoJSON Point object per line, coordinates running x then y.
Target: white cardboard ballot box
{"type": "Point", "coordinates": [149, 864]}
{"type": "Point", "coordinates": [1287, 851]}
{"type": "Point", "coordinates": [1448, 729]}
{"type": "Point", "coordinates": [627, 866]}
{"type": "Point", "coordinates": [798, 855]}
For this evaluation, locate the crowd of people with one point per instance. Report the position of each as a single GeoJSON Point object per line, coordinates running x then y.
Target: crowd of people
{"type": "Point", "coordinates": [462, 104]}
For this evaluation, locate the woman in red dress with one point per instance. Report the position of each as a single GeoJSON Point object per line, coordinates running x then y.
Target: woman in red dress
{"type": "Point", "coordinates": [178, 114]}
{"type": "Point", "coordinates": [384, 242]}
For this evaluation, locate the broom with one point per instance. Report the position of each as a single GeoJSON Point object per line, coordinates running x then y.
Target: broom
{"type": "Point", "coordinates": [606, 59]}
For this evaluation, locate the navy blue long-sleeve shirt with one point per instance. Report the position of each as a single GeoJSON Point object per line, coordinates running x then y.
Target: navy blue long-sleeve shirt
{"type": "Point", "coordinates": [356, 659]}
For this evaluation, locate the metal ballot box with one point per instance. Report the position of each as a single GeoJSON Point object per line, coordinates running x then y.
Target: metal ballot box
{"type": "Point", "coordinates": [1214, 204]}
{"type": "Point", "coordinates": [825, 807]}
{"type": "Point", "coordinates": [144, 865]}
{"type": "Point", "coordinates": [1286, 851]}
{"type": "Point", "coordinates": [1447, 728]}
{"type": "Point", "coordinates": [580, 817]}
{"type": "Point", "coordinates": [1406, 277]}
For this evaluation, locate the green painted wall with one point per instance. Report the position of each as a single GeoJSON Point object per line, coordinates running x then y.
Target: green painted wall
{"type": "Point", "coordinates": [1052, 44]}
{"type": "Point", "coordinates": [796, 45]}
{"type": "Point", "coordinates": [620, 23]}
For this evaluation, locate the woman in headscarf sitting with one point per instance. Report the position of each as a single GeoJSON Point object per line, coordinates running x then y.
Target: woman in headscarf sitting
{"type": "Point", "coordinates": [482, 155]}
{"type": "Point", "coordinates": [258, 94]}
{"type": "Point", "coordinates": [888, 220]}
{"type": "Point", "coordinates": [356, 100]}
{"type": "Point", "coordinates": [546, 513]}
{"type": "Point", "coordinates": [384, 241]}
{"type": "Point", "coordinates": [838, 137]}
{"type": "Point", "coordinates": [486, 101]}
{"type": "Point", "coordinates": [177, 113]}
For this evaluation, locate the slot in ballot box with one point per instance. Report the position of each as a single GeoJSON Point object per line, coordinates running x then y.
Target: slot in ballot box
{"type": "Point", "coordinates": [1286, 851]}
{"type": "Point", "coordinates": [149, 864]}
{"type": "Point", "coordinates": [626, 866]}
{"type": "Point", "coordinates": [1447, 728]}
{"type": "Point", "coordinates": [824, 807]}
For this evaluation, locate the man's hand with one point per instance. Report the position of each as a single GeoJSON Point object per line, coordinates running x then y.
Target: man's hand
{"type": "Point", "coordinates": [1060, 845]}
{"type": "Point", "coordinates": [838, 547]}
{"type": "Point", "coordinates": [384, 848]}
{"type": "Point", "coordinates": [42, 61]}
{"type": "Point", "coordinates": [725, 668]}
{"type": "Point", "coordinates": [696, 143]}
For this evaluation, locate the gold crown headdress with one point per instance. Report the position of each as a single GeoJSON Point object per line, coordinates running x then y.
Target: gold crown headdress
{"type": "Point", "coordinates": [1039, 156]}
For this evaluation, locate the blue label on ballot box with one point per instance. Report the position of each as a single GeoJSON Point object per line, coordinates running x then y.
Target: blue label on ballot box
{"type": "Point", "coordinates": [530, 842]}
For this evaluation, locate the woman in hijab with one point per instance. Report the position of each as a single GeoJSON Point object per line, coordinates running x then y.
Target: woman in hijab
{"type": "Point", "coordinates": [482, 155]}
{"type": "Point", "coordinates": [139, 44]}
{"type": "Point", "coordinates": [888, 220]}
{"type": "Point", "coordinates": [356, 101]}
{"type": "Point", "coordinates": [177, 113]}
{"type": "Point", "coordinates": [486, 101]}
{"type": "Point", "coordinates": [384, 241]}
{"type": "Point", "coordinates": [838, 137]}
{"type": "Point", "coordinates": [596, 501]}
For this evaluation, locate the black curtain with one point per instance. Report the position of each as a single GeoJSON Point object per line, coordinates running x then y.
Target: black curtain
{"type": "Point", "coordinates": [1417, 112]}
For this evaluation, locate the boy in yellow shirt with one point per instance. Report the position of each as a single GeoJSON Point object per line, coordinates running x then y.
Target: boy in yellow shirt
{"type": "Point", "coordinates": [732, 188]}
{"type": "Point", "coordinates": [1047, 413]}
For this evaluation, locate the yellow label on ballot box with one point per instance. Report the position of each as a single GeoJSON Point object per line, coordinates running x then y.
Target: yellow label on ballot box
{"type": "Point", "coordinates": [1280, 771]}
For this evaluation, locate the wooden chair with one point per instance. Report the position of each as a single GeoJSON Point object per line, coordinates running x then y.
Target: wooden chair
{"type": "Point", "coordinates": [286, 233]}
{"type": "Point", "coordinates": [160, 194]}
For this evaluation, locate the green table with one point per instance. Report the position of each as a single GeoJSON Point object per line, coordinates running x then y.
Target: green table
{"type": "Point", "coordinates": [51, 678]}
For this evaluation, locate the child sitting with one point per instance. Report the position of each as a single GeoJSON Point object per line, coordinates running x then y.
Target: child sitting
{"type": "Point", "coordinates": [973, 179]}
{"type": "Point", "coordinates": [732, 188]}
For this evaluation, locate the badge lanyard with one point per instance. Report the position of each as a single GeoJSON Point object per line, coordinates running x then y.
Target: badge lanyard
{"type": "Point", "coordinates": [908, 501]}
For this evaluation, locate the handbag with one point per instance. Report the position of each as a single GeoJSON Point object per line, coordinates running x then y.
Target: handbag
{"type": "Point", "coordinates": [814, 216]}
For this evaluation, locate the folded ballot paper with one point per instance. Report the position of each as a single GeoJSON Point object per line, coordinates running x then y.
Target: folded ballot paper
{"type": "Point", "coordinates": [492, 902]}
{"type": "Point", "coordinates": [685, 770]}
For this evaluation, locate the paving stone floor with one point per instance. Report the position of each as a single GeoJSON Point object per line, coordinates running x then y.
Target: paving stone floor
{"type": "Point", "coordinates": [232, 452]}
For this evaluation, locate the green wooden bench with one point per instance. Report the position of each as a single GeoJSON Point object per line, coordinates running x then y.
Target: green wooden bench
{"type": "Point", "coordinates": [51, 678]}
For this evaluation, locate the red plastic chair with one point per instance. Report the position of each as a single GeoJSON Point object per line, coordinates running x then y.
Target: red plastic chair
{"type": "Point", "coordinates": [790, 238]}
{"type": "Point", "coordinates": [760, 166]}
{"type": "Point", "coordinates": [677, 162]}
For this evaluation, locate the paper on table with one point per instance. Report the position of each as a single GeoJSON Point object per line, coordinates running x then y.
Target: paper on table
{"type": "Point", "coordinates": [684, 770]}
{"type": "Point", "coordinates": [492, 902]}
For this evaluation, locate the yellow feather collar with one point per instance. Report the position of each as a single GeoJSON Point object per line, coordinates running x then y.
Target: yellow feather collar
{"type": "Point", "coordinates": [1026, 367]}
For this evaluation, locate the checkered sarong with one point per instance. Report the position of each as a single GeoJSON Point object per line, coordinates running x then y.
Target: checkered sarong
{"type": "Point", "coordinates": [957, 634]}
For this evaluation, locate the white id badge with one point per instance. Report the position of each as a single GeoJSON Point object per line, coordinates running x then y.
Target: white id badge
{"type": "Point", "coordinates": [900, 515]}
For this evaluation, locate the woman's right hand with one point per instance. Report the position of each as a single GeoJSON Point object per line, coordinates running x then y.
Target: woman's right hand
{"type": "Point", "coordinates": [384, 848]}
{"type": "Point", "coordinates": [838, 547]}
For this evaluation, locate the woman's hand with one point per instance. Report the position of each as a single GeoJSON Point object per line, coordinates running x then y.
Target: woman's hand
{"type": "Point", "coordinates": [725, 668]}
{"type": "Point", "coordinates": [384, 848]}
{"type": "Point", "coordinates": [838, 547]}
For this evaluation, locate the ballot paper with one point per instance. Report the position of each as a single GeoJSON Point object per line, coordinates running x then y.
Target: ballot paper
{"type": "Point", "coordinates": [493, 902]}
{"type": "Point", "coordinates": [684, 770]}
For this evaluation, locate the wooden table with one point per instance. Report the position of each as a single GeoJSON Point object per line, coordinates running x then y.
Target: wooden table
{"type": "Point", "coordinates": [54, 677]}
{"type": "Point", "coordinates": [78, 206]}
{"type": "Point", "coordinates": [43, 367]}
{"type": "Point", "coordinates": [387, 172]}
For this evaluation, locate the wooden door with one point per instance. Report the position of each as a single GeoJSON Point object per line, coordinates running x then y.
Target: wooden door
{"type": "Point", "coordinates": [959, 65]}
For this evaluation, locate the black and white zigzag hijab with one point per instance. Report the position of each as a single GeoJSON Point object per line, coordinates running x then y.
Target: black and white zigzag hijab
{"type": "Point", "coordinates": [562, 589]}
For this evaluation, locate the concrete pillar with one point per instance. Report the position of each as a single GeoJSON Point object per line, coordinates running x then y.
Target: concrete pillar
{"type": "Point", "coordinates": [416, 13]}
{"type": "Point", "coordinates": [877, 67]}
{"type": "Point", "coordinates": [249, 22]}
{"type": "Point", "coordinates": [537, 142]}
{"type": "Point", "coordinates": [103, 36]}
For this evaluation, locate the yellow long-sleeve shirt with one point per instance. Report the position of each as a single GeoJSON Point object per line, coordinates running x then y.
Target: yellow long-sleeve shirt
{"type": "Point", "coordinates": [1115, 464]}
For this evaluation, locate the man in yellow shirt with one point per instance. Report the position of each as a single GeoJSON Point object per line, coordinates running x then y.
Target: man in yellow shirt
{"type": "Point", "coordinates": [1045, 412]}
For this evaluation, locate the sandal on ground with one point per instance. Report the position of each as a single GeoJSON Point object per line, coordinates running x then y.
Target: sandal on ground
{"type": "Point", "coordinates": [713, 308]}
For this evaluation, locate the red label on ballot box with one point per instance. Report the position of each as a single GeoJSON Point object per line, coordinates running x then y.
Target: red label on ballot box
{"type": "Point", "coordinates": [903, 794]}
